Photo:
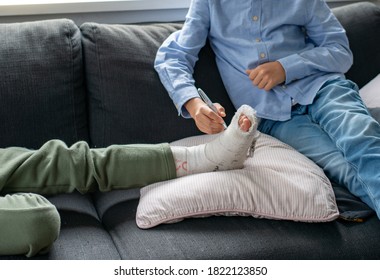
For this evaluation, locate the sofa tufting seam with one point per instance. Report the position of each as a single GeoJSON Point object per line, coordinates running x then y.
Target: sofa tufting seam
{"type": "Point", "coordinates": [95, 32]}
{"type": "Point", "coordinates": [104, 226]}
{"type": "Point", "coordinates": [69, 35]}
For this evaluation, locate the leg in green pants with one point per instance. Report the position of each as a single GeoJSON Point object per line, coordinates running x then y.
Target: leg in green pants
{"type": "Point", "coordinates": [28, 222]}
{"type": "Point", "coordinates": [56, 168]}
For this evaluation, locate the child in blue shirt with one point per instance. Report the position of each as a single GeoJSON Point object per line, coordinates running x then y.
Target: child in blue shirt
{"type": "Point", "coordinates": [286, 59]}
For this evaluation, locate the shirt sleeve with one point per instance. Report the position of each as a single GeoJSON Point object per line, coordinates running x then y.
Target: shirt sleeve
{"type": "Point", "coordinates": [331, 53]}
{"type": "Point", "coordinates": [176, 58]}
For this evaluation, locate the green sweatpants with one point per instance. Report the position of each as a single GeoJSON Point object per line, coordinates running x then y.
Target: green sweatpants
{"type": "Point", "coordinates": [28, 222]}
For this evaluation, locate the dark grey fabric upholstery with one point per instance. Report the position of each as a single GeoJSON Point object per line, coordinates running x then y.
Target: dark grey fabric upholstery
{"type": "Point", "coordinates": [362, 22]}
{"type": "Point", "coordinates": [42, 92]}
{"type": "Point", "coordinates": [127, 102]}
{"type": "Point", "coordinates": [83, 235]}
{"type": "Point", "coordinates": [82, 238]}
{"type": "Point", "coordinates": [240, 238]}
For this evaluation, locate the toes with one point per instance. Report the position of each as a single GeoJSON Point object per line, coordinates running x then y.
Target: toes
{"type": "Point", "coordinates": [244, 123]}
{"type": "Point", "coordinates": [245, 119]}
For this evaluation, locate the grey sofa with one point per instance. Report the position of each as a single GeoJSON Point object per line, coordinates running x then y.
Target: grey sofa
{"type": "Point", "coordinates": [96, 83]}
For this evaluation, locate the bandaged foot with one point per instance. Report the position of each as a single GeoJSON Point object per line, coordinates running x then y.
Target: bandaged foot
{"type": "Point", "coordinates": [228, 151]}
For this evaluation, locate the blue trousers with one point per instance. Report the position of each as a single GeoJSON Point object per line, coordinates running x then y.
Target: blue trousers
{"type": "Point", "coordinates": [337, 132]}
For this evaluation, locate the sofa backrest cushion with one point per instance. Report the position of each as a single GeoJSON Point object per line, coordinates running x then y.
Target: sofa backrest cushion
{"type": "Point", "coordinates": [127, 101]}
{"type": "Point", "coordinates": [42, 93]}
{"type": "Point", "coordinates": [362, 23]}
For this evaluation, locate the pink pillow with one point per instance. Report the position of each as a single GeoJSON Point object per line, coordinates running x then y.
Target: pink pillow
{"type": "Point", "coordinates": [276, 183]}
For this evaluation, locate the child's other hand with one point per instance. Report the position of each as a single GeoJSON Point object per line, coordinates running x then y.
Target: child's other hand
{"type": "Point", "coordinates": [206, 119]}
{"type": "Point", "coordinates": [268, 75]}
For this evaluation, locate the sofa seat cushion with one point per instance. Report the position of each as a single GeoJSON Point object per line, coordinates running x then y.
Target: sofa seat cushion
{"type": "Point", "coordinates": [220, 237]}
{"type": "Point", "coordinates": [41, 83]}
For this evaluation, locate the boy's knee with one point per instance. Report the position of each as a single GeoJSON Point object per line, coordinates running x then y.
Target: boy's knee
{"type": "Point", "coordinates": [29, 224]}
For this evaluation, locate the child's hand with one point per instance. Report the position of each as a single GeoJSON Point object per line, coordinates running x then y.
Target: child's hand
{"type": "Point", "coordinates": [206, 119]}
{"type": "Point", "coordinates": [268, 75]}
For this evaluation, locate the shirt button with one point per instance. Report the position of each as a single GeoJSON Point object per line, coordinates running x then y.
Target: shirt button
{"type": "Point", "coordinates": [262, 55]}
{"type": "Point", "coordinates": [255, 18]}
{"type": "Point", "coordinates": [284, 86]}
{"type": "Point", "coordinates": [258, 40]}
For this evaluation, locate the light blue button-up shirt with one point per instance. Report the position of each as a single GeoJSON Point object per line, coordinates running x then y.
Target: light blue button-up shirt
{"type": "Point", "coordinates": [303, 35]}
